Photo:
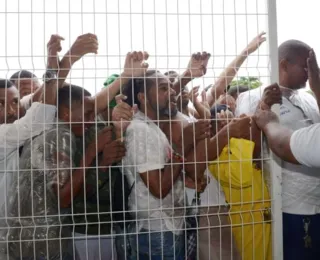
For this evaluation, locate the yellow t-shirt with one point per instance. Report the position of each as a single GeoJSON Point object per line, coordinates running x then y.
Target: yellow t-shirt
{"type": "Point", "coordinates": [248, 198]}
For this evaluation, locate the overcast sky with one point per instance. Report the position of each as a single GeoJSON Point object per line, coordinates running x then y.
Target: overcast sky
{"type": "Point", "coordinates": [169, 30]}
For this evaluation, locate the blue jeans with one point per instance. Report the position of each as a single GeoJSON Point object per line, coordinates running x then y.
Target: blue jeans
{"type": "Point", "coordinates": [65, 256]}
{"type": "Point", "coordinates": [157, 246]}
{"type": "Point", "coordinates": [294, 246]}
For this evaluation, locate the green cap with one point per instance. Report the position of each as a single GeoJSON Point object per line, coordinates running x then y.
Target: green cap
{"type": "Point", "coordinates": [108, 81]}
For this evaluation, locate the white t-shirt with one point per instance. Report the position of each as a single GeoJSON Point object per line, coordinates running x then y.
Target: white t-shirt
{"type": "Point", "coordinates": [213, 195]}
{"type": "Point", "coordinates": [147, 150]}
{"type": "Point", "coordinates": [299, 182]}
{"type": "Point", "coordinates": [305, 145]}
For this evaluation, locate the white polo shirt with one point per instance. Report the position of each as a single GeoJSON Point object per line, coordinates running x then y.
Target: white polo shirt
{"type": "Point", "coordinates": [300, 184]}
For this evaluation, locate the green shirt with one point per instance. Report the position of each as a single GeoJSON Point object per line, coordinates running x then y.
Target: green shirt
{"type": "Point", "coordinates": [98, 197]}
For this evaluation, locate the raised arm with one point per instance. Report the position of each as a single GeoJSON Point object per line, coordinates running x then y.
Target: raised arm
{"type": "Point", "coordinates": [135, 66]}
{"type": "Point", "coordinates": [84, 44]}
{"type": "Point", "coordinates": [202, 107]}
{"type": "Point", "coordinates": [53, 49]}
{"type": "Point", "coordinates": [196, 68]}
{"type": "Point", "coordinates": [229, 73]}
{"type": "Point", "coordinates": [314, 76]}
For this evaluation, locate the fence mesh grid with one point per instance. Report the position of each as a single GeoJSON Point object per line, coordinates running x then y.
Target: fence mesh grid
{"type": "Point", "coordinates": [140, 128]}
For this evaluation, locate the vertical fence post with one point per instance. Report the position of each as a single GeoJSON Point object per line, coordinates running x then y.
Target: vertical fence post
{"type": "Point", "coordinates": [275, 162]}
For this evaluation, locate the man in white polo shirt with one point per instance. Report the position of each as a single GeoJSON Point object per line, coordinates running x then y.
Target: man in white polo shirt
{"type": "Point", "coordinates": [301, 184]}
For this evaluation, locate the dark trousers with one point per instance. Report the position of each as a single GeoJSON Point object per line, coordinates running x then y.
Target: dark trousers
{"type": "Point", "coordinates": [297, 244]}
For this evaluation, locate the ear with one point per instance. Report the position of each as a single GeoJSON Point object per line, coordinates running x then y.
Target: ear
{"type": "Point", "coordinates": [283, 65]}
{"type": "Point", "coordinates": [63, 114]}
{"type": "Point", "coordinates": [142, 98]}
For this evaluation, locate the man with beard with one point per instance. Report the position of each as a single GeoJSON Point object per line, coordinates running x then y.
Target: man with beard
{"type": "Point", "coordinates": [153, 170]}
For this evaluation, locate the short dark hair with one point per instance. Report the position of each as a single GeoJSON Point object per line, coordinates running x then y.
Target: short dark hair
{"type": "Point", "coordinates": [234, 90]}
{"type": "Point", "coordinates": [291, 49]}
{"type": "Point", "coordinates": [136, 86]}
{"type": "Point", "coordinates": [23, 74]}
{"type": "Point", "coordinates": [70, 93]}
{"type": "Point", "coordinates": [217, 109]}
{"type": "Point", "coordinates": [4, 83]}
{"type": "Point", "coordinates": [170, 72]}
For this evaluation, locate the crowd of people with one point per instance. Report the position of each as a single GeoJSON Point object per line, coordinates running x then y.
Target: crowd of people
{"type": "Point", "coordinates": [150, 168]}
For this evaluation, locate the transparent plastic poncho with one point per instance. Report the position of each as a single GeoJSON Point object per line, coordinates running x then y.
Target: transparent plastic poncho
{"type": "Point", "coordinates": [34, 226]}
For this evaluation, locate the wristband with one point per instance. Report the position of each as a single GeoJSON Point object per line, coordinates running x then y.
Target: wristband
{"type": "Point", "coordinates": [177, 156]}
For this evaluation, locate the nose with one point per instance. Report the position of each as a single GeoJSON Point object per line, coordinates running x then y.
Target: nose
{"type": "Point", "coordinates": [172, 92]}
{"type": "Point", "coordinates": [10, 110]}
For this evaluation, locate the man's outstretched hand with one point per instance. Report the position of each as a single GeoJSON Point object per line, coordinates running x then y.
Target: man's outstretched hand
{"type": "Point", "coordinates": [84, 44]}
{"type": "Point", "coordinates": [198, 63]}
{"type": "Point", "coordinates": [135, 64]}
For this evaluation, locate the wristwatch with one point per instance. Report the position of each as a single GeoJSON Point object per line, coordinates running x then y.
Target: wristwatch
{"type": "Point", "coordinates": [49, 75]}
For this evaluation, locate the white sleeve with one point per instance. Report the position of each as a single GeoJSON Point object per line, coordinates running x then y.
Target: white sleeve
{"type": "Point", "coordinates": [247, 103]}
{"type": "Point", "coordinates": [144, 147]}
{"type": "Point", "coordinates": [305, 145]}
{"type": "Point", "coordinates": [37, 119]}
{"type": "Point", "coordinates": [25, 102]}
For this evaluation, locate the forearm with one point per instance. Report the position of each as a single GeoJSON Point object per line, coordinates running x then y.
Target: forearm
{"type": "Point", "coordinates": [182, 81]}
{"type": "Point", "coordinates": [203, 112]}
{"type": "Point", "coordinates": [204, 152]}
{"type": "Point", "coordinates": [104, 97]}
{"type": "Point", "coordinates": [65, 66]}
{"type": "Point", "coordinates": [53, 62]}
{"type": "Point", "coordinates": [225, 78]}
{"type": "Point", "coordinates": [317, 96]}
{"type": "Point", "coordinates": [278, 138]}
{"type": "Point", "coordinates": [49, 90]}
{"type": "Point", "coordinates": [169, 177]}
{"type": "Point", "coordinates": [257, 147]}
{"type": "Point", "coordinates": [72, 188]}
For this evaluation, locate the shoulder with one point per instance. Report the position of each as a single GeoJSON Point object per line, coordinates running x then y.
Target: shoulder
{"type": "Point", "coordinates": [140, 124]}
{"type": "Point", "coordinates": [309, 98]}
{"type": "Point", "coordinates": [60, 138]}
{"type": "Point", "coordinates": [253, 93]}
{"type": "Point", "coordinates": [304, 144]}
{"type": "Point", "coordinates": [248, 101]}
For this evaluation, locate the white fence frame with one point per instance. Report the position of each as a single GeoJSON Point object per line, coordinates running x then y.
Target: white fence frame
{"type": "Point", "coordinates": [275, 164]}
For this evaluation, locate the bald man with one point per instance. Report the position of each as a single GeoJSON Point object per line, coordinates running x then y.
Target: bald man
{"type": "Point", "coordinates": [301, 183]}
